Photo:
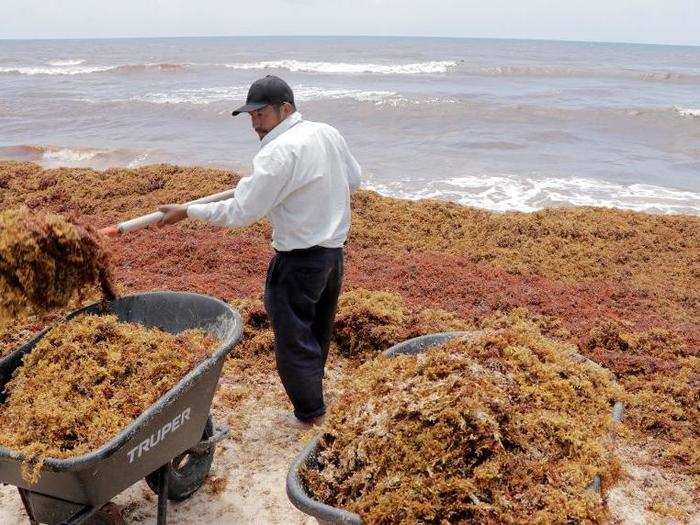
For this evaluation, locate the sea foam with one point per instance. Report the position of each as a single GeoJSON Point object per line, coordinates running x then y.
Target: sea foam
{"type": "Point", "coordinates": [62, 63]}
{"type": "Point", "coordinates": [205, 96]}
{"type": "Point", "coordinates": [71, 156]}
{"type": "Point", "coordinates": [687, 112]}
{"type": "Point", "coordinates": [432, 67]}
{"type": "Point", "coordinates": [54, 156]}
{"type": "Point", "coordinates": [73, 67]}
{"type": "Point", "coordinates": [56, 70]}
{"type": "Point", "coordinates": [527, 194]}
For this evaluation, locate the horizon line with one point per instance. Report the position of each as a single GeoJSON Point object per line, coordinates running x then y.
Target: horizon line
{"type": "Point", "coordinates": [434, 37]}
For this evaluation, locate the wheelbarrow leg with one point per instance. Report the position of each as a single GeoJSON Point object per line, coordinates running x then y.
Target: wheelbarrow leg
{"type": "Point", "coordinates": [163, 494]}
{"type": "Point", "coordinates": [25, 502]}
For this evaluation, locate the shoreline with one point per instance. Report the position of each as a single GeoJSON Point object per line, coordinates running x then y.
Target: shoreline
{"type": "Point", "coordinates": [504, 183]}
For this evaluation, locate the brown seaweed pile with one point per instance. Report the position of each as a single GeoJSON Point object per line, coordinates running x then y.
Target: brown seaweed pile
{"type": "Point", "coordinates": [506, 427]}
{"type": "Point", "coordinates": [86, 380]}
{"type": "Point", "coordinates": [369, 322]}
{"type": "Point", "coordinates": [661, 377]}
{"type": "Point", "coordinates": [45, 261]}
{"type": "Point", "coordinates": [258, 338]}
{"type": "Point", "coordinates": [366, 323]}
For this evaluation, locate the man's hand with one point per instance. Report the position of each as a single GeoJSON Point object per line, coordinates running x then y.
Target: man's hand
{"type": "Point", "coordinates": [172, 213]}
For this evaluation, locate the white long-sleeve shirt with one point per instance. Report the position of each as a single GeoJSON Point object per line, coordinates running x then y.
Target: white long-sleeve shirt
{"type": "Point", "coordinates": [302, 179]}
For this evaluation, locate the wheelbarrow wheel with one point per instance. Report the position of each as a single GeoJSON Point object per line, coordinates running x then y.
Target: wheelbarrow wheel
{"type": "Point", "coordinates": [187, 471]}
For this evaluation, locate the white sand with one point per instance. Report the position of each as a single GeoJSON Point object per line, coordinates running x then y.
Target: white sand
{"type": "Point", "coordinates": [647, 494]}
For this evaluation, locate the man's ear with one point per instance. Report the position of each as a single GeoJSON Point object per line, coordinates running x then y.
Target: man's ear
{"type": "Point", "coordinates": [288, 109]}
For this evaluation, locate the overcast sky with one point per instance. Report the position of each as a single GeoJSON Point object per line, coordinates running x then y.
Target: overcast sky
{"type": "Point", "coordinates": [652, 21]}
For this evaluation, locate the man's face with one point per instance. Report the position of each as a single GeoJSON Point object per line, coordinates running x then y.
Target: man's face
{"type": "Point", "coordinates": [266, 118]}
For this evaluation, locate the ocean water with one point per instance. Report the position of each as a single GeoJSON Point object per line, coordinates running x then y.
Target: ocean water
{"type": "Point", "coordinates": [497, 124]}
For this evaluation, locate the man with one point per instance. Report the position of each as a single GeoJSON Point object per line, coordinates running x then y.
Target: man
{"type": "Point", "coordinates": [302, 179]}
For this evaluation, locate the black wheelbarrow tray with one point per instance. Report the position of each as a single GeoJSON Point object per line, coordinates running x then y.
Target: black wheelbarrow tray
{"type": "Point", "coordinates": [171, 443]}
{"type": "Point", "coordinates": [327, 515]}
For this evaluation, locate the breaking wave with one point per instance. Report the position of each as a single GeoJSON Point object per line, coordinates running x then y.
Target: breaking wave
{"type": "Point", "coordinates": [211, 95]}
{"type": "Point", "coordinates": [55, 70]}
{"type": "Point", "coordinates": [205, 96]}
{"type": "Point", "coordinates": [463, 67]}
{"type": "Point", "coordinates": [511, 193]}
{"type": "Point", "coordinates": [61, 63]}
{"type": "Point", "coordinates": [687, 112]}
{"type": "Point", "coordinates": [432, 67]}
{"type": "Point", "coordinates": [53, 156]}
{"type": "Point", "coordinates": [74, 67]}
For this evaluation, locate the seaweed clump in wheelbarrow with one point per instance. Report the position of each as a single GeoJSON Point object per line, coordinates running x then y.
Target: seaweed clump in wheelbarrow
{"type": "Point", "coordinates": [46, 260]}
{"type": "Point", "coordinates": [86, 380]}
{"type": "Point", "coordinates": [507, 427]}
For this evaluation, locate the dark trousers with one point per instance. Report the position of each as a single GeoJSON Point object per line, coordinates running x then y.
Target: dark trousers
{"type": "Point", "coordinates": [301, 298]}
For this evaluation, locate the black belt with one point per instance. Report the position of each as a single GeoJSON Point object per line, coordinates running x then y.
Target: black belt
{"type": "Point", "coordinates": [306, 251]}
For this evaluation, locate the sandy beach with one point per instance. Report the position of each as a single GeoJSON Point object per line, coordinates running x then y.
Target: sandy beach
{"type": "Point", "coordinates": [619, 286]}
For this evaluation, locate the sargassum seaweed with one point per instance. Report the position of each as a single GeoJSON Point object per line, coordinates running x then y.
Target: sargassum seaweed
{"type": "Point", "coordinates": [86, 380]}
{"type": "Point", "coordinates": [505, 427]}
{"type": "Point", "coordinates": [45, 260]}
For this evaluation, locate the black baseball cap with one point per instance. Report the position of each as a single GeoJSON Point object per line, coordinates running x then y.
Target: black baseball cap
{"type": "Point", "coordinates": [267, 90]}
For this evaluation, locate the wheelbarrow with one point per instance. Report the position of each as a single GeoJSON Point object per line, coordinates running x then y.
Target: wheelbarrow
{"type": "Point", "coordinates": [327, 515]}
{"type": "Point", "coordinates": [171, 444]}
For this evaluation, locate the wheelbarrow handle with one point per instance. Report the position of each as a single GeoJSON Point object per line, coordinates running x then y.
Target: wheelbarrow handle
{"type": "Point", "coordinates": [144, 221]}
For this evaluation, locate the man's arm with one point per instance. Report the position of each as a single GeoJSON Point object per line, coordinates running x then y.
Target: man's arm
{"type": "Point", "coordinates": [255, 195]}
{"type": "Point", "coordinates": [354, 170]}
